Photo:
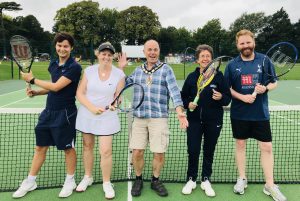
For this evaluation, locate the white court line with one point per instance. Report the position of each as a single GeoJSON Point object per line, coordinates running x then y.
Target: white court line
{"type": "Point", "coordinates": [297, 87]}
{"type": "Point", "coordinates": [129, 169]}
{"type": "Point", "coordinates": [13, 102]}
{"type": "Point", "coordinates": [277, 102]}
{"type": "Point", "coordinates": [129, 160]}
{"type": "Point", "coordinates": [129, 196]}
{"type": "Point", "coordinates": [12, 92]}
{"type": "Point", "coordinates": [34, 103]}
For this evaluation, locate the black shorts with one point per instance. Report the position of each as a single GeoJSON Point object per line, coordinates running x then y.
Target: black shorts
{"type": "Point", "coordinates": [56, 128]}
{"type": "Point", "coordinates": [259, 130]}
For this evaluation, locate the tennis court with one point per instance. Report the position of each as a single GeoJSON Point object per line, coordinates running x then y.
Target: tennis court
{"type": "Point", "coordinates": [16, 153]}
{"type": "Point", "coordinates": [12, 94]}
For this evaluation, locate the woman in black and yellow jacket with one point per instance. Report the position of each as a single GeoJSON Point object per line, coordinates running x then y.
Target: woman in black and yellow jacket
{"type": "Point", "coordinates": [205, 119]}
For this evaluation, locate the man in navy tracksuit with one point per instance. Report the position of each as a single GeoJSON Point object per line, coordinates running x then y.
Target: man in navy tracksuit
{"type": "Point", "coordinates": [205, 119]}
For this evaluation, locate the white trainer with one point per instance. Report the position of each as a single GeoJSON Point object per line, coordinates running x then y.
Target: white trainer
{"type": "Point", "coordinates": [275, 193]}
{"type": "Point", "coordinates": [108, 190]}
{"type": "Point", "coordinates": [67, 189]}
{"type": "Point", "coordinates": [85, 182]}
{"type": "Point", "coordinates": [24, 188]}
{"type": "Point", "coordinates": [206, 186]}
{"type": "Point", "coordinates": [240, 186]}
{"type": "Point", "coordinates": [189, 187]}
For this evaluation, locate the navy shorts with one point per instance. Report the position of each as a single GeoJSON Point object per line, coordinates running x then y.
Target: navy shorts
{"type": "Point", "coordinates": [56, 128]}
{"type": "Point", "coordinates": [259, 130]}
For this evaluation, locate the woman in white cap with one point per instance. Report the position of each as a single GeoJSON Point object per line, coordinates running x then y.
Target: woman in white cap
{"type": "Point", "coordinates": [99, 86]}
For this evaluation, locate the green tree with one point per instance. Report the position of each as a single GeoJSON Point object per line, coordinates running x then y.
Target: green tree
{"type": "Point", "coordinates": [82, 20]}
{"type": "Point", "coordinates": [30, 27]}
{"type": "Point", "coordinates": [167, 39]}
{"type": "Point", "coordinates": [108, 29]}
{"type": "Point", "coordinates": [296, 35]}
{"type": "Point", "coordinates": [279, 28]}
{"type": "Point", "coordinates": [255, 22]}
{"type": "Point", "coordinates": [227, 44]}
{"type": "Point", "coordinates": [9, 6]}
{"type": "Point", "coordinates": [184, 40]}
{"type": "Point", "coordinates": [137, 24]}
{"type": "Point", "coordinates": [211, 34]}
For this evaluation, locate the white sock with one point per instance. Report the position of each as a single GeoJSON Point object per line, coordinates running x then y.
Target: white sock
{"type": "Point", "coordinates": [31, 178]}
{"type": "Point", "coordinates": [69, 177]}
{"type": "Point", "coordinates": [87, 177]}
{"type": "Point", "coordinates": [106, 182]}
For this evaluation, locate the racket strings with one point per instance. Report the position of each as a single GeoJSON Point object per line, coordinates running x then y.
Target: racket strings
{"type": "Point", "coordinates": [199, 82]}
{"type": "Point", "coordinates": [283, 56]}
{"type": "Point", "coordinates": [130, 98]}
{"type": "Point", "coordinates": [282, 63]}
{"type": "Point", "coordinates": [207, 75]}
{"type": "Point", "coordinates": [21, 52]}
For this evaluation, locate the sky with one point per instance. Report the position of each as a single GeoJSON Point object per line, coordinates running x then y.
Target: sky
{"type": "Point", "coordinates": [190, 14]}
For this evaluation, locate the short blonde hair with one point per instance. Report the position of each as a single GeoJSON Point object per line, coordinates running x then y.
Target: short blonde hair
{"type": "Point", "coordinates": [243, 32]}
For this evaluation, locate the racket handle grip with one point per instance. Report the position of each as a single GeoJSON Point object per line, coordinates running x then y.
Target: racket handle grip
{"type": "Point", "coordinates": [28, 85]}
{"type": "Point", "coordinates": [254, 93]}
{"type": "Point", "coordinates": [195, 102]}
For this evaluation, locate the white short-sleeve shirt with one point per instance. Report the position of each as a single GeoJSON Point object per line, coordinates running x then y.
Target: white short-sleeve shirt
{"type": "Point", "coordinates": [100, 93]}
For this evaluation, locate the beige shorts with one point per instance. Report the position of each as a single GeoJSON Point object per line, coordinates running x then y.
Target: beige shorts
{"type": "Point", "coordinates": [154, 131]}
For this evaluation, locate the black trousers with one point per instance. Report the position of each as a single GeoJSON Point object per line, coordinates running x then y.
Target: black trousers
{"type": "Point", "coordinates": [195, 132]}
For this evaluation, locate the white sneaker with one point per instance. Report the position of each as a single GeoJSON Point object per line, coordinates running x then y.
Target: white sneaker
{"type": "Point", "coordinates": [85, 182]}
{"type": "Point", "coordinates": [274, 192]}
{"type": "Point", "coordinates": [108, 190]}
{"type": "Point", "coordinates": [24, 188]}
{"type": "Point", "coordinates": [206, 186]}
{"type": "Point", "coordinates": [240, 186]}
{"type": "Point", "coordinates": [67, 189]}
{"type": "Point", "coordinates": [189, 187]}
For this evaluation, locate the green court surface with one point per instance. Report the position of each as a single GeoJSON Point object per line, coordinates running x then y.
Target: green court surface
{"type": "Point", "coordinates": [223, 193]}
{"type": "Point", "coordinates": [12, 95]}
{"type": "Point", "coordinates": [40, 70]}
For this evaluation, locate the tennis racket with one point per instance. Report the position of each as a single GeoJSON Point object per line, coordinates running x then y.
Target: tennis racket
{"type": "Point", "coordinates": [21, 53]}
{"type": "Point", "coordinates": [130, 98]}
{"type": "Point", "coordinates": [208, 75]}
{"type": "Point", "coordinates": [283, 56]}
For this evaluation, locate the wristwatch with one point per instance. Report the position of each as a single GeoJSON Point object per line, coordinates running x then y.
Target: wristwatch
{"type": "Point", "coordinates": [32, 81]}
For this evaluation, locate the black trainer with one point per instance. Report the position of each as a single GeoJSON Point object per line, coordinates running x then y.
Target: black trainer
{"type": "Point", "coordinates": [159, 188]}
{"type": "Point", "coordinates": [136, 189]}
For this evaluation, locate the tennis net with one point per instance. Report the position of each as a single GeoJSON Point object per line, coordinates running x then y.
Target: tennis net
{"type": "Point", "coordinates": [17, 142]}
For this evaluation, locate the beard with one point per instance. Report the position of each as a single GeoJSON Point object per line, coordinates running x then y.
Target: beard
{"type": "Point", "coordinates": [247, 52]}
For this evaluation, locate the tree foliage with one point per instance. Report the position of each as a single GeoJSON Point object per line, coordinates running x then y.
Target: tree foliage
{"type": "Point", "coordinates": [108, 30]}
{"type": "Point", "coordinates": [211, 34]}
{"type": "Point", "coordinates": [167, 39]}
{"type": "Point", "coordinates": [91, 25]}
{"type": "Point", "coordinates": [80, 19]}
{"type": "Point", "coordinates": [296, 34]}
{"type": "Point", "coordinates": [184, 39]}
{"type": "Point", "coordinates": [174, 40]}
{"type": "Point", "coordinates": [279, 28]}
{"type": "Point", "coordinates": [254, 22]}
{"type": "Point", "coordinates": [9, 6]}
{"type": "Point", "coordinates": [138, 24]}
